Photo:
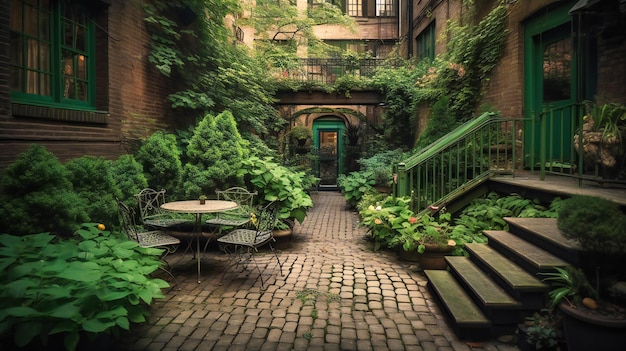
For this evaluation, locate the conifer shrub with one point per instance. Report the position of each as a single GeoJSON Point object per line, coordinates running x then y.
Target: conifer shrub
{"type": "Point", "coordinates": [129, 178]}
{"type": "Point", "coordinates": [596, 223]}
{"type": "Point", "coordinates": [159, 156]}
{"type": "Point", "coordinates": [38, 196]}
{"type": "Point", "coordinates": [215, 153]}
{"type": "Point", "coordinates": [92, 178]}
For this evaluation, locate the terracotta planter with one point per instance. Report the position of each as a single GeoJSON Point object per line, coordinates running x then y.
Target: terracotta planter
{"type": "Point", "coordinates": [432, 258]}
{"type": "Point", "coordinates": [589, 330]}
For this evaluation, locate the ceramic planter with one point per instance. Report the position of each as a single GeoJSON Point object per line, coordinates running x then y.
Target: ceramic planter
{"type": "Point", "coordinates": [589, 330]}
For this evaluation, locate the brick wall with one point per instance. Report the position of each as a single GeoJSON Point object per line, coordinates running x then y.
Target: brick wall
{"type": "Point", "coordinates": [130, 93]}
{"type": "Point", "coordinates": [612, 68]}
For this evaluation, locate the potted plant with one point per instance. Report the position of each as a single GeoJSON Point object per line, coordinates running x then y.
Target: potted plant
{"type": "Point", "coordinates": [603, 135]}
{"type": "Point", "coordinates": [202, 199]}
{"type": "Point", "coordinates": [429, 237]}
{"type": "Point", "coordinates": [592, 320]}
{"type": "Point", "coordinates": [300, 134]}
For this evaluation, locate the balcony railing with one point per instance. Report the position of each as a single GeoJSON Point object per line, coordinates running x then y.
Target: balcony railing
{"type": "Point", "coordinates": [327, 70]}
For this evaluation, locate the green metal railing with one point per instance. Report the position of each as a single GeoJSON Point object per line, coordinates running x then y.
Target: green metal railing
{"type": "Point", "coordinates": [489, 145]}
{"type": "Point", "coordinates": [458, 161]}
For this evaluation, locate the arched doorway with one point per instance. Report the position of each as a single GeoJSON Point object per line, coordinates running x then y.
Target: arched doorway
{"type": "Point", "coordinates": [328, 138]}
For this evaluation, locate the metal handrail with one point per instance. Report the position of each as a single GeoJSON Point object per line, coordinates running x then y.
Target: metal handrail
{"type": "Point", "coordinates": [458, 161]}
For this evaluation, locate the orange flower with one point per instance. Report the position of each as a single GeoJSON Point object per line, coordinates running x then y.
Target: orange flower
{"type": "Point", "coordinates": [378, 221]}
{"type": "Point", "coordinates": [101, 226]}
{"type": "Point", "coordinates": [412, 220]}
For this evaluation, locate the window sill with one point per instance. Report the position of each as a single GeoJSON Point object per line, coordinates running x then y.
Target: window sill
{"type": "Point", "coordinates": [59, 114]}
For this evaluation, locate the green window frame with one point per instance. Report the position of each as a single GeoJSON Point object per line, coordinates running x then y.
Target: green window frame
{"type": "Point", "coordinates": [425, 43]}
{"type": "Point", "coordinates": [52, 61]}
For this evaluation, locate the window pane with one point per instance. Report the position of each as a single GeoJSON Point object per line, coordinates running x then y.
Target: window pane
{"type": "Point", "coordinates": [385, 8]}
{"type": "Point", "coordinates": [355, 8]}
{"type": "Point", "coordinates": [556, 71]}
{"type": "Point", "coordinates": [30, 43]}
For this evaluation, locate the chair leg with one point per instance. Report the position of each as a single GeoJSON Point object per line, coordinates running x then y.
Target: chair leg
{"type": "Point", "coordinates": [171, 275]}
{"type": "Point", "coordinates": [280, 265]}
{"type": "Point", "coordinates": [167, 268]}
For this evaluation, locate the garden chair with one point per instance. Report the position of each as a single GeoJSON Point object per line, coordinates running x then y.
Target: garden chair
{"type": "Point", "coordinates": [152, 216]}
{"type": "Point", "coordinates": [242, 244]}
{"type": "Point", "coordinates": [148, 238]}
{"type": "Point", "coordinates": [236, 218]}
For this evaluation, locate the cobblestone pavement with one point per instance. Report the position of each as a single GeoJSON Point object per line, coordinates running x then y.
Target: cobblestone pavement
{"type": "Point", "coordinates": [335, 294]}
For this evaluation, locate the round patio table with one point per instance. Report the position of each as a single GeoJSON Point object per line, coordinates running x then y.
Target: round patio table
{"type": "Point", "coordinates": [195, 207]}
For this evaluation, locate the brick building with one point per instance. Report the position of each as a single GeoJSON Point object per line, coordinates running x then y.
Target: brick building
{"type": "Point", "coordinates": [102, 94]}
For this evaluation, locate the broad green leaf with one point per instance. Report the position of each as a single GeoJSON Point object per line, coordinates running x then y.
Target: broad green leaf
{"type": "Point", "coordinates": [95, 325]}
{"type": "Point", "coordinates": [82, 271]}
{"type": "Point", "coordinates": [25, 331]}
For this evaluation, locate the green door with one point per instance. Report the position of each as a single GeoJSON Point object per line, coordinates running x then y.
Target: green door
{"type": "Point", "coordinates": [328, 134]}
{"type": "Point", "coordinates": [550, 83]}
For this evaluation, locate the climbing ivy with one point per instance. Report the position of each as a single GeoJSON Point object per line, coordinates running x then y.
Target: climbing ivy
{"type": "Point", "coordinates": [461, 75]}
{"type": "Point", "coordinates": [193, 46]}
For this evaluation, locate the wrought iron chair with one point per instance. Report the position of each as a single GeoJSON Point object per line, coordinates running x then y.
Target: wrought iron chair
{"type": "Point", "coordinates": [236, 218]}
{"type": "Point", "coordinates": [149, 202]}
{"type": "Point", "coordinates": [239, 216]}
{"type": "Point", "coordinates": [242, 244]}
{"type": "Point", "coordinates": [149, 239]}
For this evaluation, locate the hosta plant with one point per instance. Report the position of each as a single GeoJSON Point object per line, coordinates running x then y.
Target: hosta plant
{"type": "Point", "coordinates": [95, 282]}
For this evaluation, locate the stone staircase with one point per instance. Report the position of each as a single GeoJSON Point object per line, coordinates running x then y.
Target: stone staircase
{"type": "Point", "coordinates": [489, 293]}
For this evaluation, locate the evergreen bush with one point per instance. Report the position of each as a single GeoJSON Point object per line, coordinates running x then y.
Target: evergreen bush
{"type": "Point", "coordinates": [92, 178]}
{"type": "Point", "coordinates": [37, 195]}
{"type": "Point", "coordinates": [160, 158]}
{"type": "Point", "coordinates": [215, 153]}
{"type": "Point", "coordinates": [598, 224]}
{"type": "Point", "coordinates": [129, 178]}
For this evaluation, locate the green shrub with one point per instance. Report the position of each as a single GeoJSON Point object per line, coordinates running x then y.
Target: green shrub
{"type": "Point", "coordinates": [598, 224]}
{"type": "Point", "coordinates": [93, 181]}
{"type": "Point", "coordinates": [275, 182]}
{"type": "Point", "coordinates": [96, 282]}
{"type": "Point", "coordinates": [355, 185]}
{"type": "Point", "coordinates": [381, 165]}
{"type": "Point", "coordinates": [129, 178]}
{"type": "Point", "coordinates": [215, 153]}
{"type": "Point", "coordinates": [38, 195]}
{"type": "Point", "coordinates": [160, 157]}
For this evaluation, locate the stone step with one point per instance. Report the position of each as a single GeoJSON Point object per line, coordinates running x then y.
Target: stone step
{"type": "Point", "coordinates": [500, 307]}
{"type": "Point", "coordinates": [529, 256]}
{"type": "Point", "coordinates": [544, 233]}
{"type": "Point", "coordinates": [467, 320]}
{"type": "Point", "coordinates": [515, 280]}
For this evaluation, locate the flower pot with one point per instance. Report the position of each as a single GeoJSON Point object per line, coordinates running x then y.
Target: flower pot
{"type": "Point", "coordinates": [283, 238]}
{"type": "Point", "coordinates": [435, 256]}
{"type": "Point", "coordinates": [409, 256]}
{"type": "Point", "coordinates": [585, 329]}
{"type": "Point", "coordinates": [202, 201]}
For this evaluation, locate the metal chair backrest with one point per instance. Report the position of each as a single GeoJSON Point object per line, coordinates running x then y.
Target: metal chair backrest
{"type": "Point", "coordinates": [127, 220]}
{"type": "Point", "coordinates": [241, 196]}
{"type": "Point", "coordinates": [149, 202]}
{"type": "Point", "coordinates": [265, 222]}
